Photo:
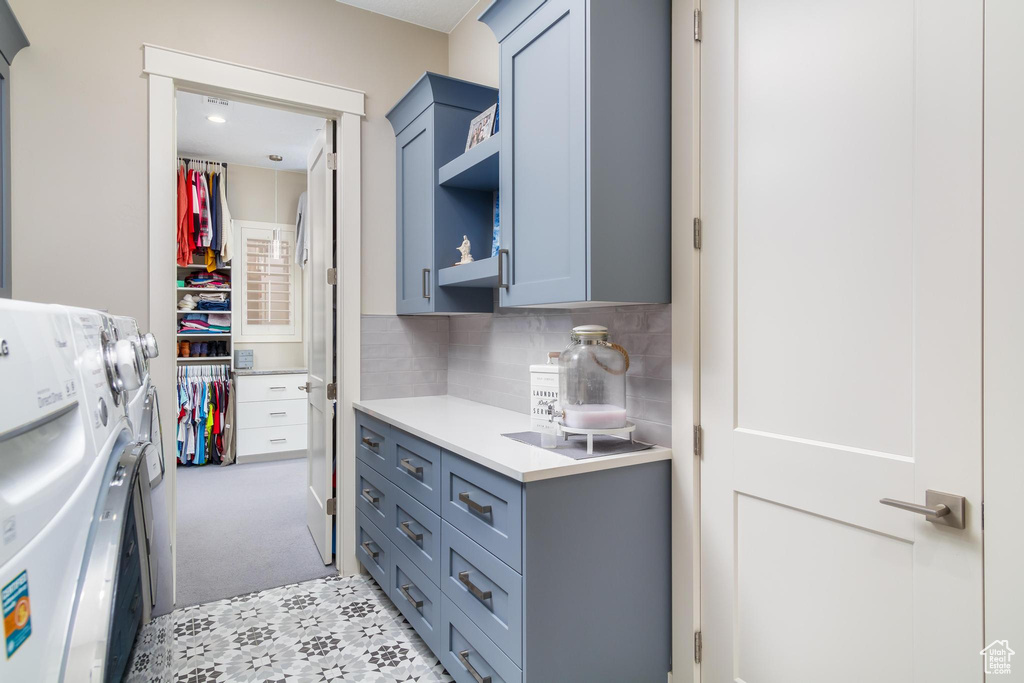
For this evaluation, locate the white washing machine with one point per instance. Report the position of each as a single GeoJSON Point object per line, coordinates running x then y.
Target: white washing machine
{"type": "Point", "coordinates": [70, 551]}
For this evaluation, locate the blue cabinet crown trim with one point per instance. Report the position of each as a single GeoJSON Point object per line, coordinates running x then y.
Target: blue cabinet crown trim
{"type": "Point", "coordinates": [432, 88]}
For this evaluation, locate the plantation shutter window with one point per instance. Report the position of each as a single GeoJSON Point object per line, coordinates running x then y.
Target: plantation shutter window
{"type": "Point", "coordinates": [270, 288]}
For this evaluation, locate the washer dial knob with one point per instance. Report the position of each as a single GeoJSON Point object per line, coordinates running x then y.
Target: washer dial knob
{"type": "Point", "coordinates": [149, 346]}
{"type": "Point", "coordinates": [126, 358]}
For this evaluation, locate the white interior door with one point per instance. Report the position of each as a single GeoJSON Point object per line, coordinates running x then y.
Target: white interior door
{"type": "Point", "coordinates": [320, 348]}
{"type": "Point", "coordinates": [840, 339]}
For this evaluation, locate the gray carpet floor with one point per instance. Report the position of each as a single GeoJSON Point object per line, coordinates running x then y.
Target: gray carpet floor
{"type": "Point", "coordinates": [242, 528]}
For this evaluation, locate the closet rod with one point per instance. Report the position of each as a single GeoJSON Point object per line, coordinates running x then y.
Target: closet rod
{"type": "Point", "coordinates": [203, 161]}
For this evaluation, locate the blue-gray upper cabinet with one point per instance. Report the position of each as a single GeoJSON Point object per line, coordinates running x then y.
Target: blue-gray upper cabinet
{"type": "Point", "coordinates": [585, 150]}
{"type": "Point", "coordinates": [431, 124]}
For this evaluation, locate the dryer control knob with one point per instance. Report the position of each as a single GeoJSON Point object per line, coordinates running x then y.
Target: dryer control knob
{"type": "Point", "coordinates": [128, 364]}
{"type": "Point", "coordinates": [149, 347]}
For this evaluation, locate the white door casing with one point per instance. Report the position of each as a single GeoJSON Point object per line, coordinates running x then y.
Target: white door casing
{"type": "Point", "coordinates": [840, 195]}
{"type": "Point", "coordinates": [320, 222]}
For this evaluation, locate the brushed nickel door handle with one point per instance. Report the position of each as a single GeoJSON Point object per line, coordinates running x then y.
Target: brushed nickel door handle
{"type": "Point", "coordinates": [371, 553]}
{"type": "Point", "coordinates": [414, 470]}
{"type": "Point", "coordinates": [370, 498]}
{"type": "Point", "coordinates": [464, 659]}
{"type": "Point", "coordinates": [501, 271]}
{"type": "Point", "coordinates": [412, 601]}
{"type": "Point", "coordinates": [404, 526]}
{"type": "Point", "coordinates": [475, 506]}
{"type": "Point", "coordinates": [946, 509]}
{"type": "Point", "coordinates": [371, 443]}
{"type": "Point", "coordinates": [425, 280]}
{"type": "Point", "coordinates": [473, 588]}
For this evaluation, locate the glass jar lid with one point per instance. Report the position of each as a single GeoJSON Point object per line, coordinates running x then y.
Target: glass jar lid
{"type": "Point", "coordinates": [595, 332]}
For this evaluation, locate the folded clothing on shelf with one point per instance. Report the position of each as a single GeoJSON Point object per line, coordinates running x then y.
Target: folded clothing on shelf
{"type": "Point", "coordinates": [204, 279]}
{"type": "Point", "coordinates": [187, 303]}
{"type": "Point", "coordinates": [213, 323]}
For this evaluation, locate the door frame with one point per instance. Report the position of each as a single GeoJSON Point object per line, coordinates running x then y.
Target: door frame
{"type": "Point", "coordinates": [166, 71]}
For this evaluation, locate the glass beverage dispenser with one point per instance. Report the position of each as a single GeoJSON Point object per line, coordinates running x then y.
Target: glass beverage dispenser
{"type": "Point", "coordinates": [592, 380]}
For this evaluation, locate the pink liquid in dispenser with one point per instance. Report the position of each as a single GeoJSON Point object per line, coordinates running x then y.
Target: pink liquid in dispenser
{"type": "Point", "coordinates": [595, 416]}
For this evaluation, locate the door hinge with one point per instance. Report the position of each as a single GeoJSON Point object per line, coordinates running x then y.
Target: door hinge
{"type": "Point", "coordinates": [697, 25]}
{"type": "Point", "coordinates": [698, 645]}
{"type": "Point", "coordinates": [697, 233]}
{"type": "Point", "coordinates": [332, 506]}
{"type": "Point", "coordinates": [698, 440]}
{"type": "Point", "coordinates": [332, 392]}
{"type": "Point", "coordinates": [332, 161]}
{"type": "Point", "coordinates": [332, 276]}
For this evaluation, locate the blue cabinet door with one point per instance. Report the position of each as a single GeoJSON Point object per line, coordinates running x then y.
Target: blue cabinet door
{"type": "Point", "coordinates": [415, 214]}
{"type": "Point", "coordinates": [543, 156]}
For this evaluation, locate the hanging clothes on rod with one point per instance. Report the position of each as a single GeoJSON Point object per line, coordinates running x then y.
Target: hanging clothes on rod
{"type": "Point", "coordinates": [203, 227]}
{"type": "Point", "coordinates": [206, 407]}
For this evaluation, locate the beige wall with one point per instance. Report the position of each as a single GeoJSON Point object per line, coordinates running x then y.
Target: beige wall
{"type": "Point", "coordinates": [79, 127]}
{"type": "Point", "coordinates": [269, 196]}
{"type": "Point", "coordinates": [473, 49]}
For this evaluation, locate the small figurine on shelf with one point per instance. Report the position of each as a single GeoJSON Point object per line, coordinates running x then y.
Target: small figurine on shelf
{"type": "Point", "coordinates": [464, 250]}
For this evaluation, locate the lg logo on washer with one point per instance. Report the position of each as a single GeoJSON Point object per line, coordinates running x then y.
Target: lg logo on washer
{"type": "Point", "coordinates": [4, 351]}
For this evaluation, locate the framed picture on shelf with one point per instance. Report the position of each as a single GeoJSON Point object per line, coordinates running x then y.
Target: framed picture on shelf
{"type": "Point", "coordinates": [481, 127]}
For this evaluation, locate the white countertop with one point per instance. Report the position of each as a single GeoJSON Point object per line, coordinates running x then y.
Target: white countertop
{"type": "Point", "coordinates": [474, 431]}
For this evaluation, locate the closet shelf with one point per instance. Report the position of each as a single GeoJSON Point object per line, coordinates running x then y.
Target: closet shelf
{"type": "Point", "coordinates": [196, 310]}
{"type": "Point", "coordinates": [199, 266]}
{"type": "Point", "coordinates": [211, 335]}
{"type": "Point", "coordinates": [476, 169]}
{"type": "Point", "coordinates": [200, 359]}
{"type": "Point", "coordinates": [204, 289]}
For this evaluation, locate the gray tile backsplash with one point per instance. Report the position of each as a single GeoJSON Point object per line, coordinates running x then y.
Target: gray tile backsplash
{"type": "Point", "coordinates": [487, 357]}
{"type": "Point", "coordinates": [404, 356]}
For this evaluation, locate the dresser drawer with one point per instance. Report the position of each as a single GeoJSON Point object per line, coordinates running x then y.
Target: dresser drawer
{"type": "Point", "coordinates": [465, 650]}
{"type": "Point", "coordinates": [416, 597]}
{"type": "Point", "coordinates": [485, 589]}
{"type": "Point", "coordinates": [271, 439]}
{"type": "Point", "coordinates": [416, 531]}
{"type": "Point", "coordinates": [417, 469]}
{"type": "Point", "coordinates": [269, 387]}
{"type": "Point", "coordinates": [374, 496]}
{"type": "Point", "coordinates": [271, 413]}
{"type": "Point", "coordinates": [373, 442]}
{"type": "Point", "coordinates": [373, 550]}
{"type": "Point", "coordinates": [485, 506]}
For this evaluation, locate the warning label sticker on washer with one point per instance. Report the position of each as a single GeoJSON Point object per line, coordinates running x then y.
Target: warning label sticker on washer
{"type": "Point", "coordinates": [17, 613]}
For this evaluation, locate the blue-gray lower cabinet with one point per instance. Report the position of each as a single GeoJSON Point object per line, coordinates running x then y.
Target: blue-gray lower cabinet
{"type": "Point", "coordinates": [564, 579]}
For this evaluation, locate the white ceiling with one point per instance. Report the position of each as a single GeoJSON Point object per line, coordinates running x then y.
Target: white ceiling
{"type": "Point", "coordinates": [250, 134]}
{"type": "Point", "coordinates": [440, 15]}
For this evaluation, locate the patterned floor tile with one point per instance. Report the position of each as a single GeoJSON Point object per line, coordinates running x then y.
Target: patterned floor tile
{"type": "Point", "coordinates": [332, 629]}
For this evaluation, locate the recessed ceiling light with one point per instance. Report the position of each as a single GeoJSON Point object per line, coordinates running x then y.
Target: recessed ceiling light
{"type": "Point", "coordinates": [216, 119]}
{"type": "Point", "coordinates": [276, 157]}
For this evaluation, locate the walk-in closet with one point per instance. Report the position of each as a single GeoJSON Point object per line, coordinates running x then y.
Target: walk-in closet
{"type": "Point", "coordinates": [241, 348]}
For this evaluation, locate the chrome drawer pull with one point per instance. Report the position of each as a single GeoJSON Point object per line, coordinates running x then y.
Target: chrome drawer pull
{"type": "Point", "coordinates": [371, 553]}
{"type": "Point", "coordinates": [404, 526]}
{"type": "Point", "coordinates": [280, 412]}
{"type": "Point", "coordinates": [464, 658]}
{"type": "Point", "coordinates": [369, 442]}
{"type": "Point", "coordinates": [414, 470]}
{"type": "Point", "coordinates": [277, 388]}
{"type": "Point", "coordinates": [278, 440]}
{"type": "Point", "coordinates": [480, 595]}
{"type": "Point", "coordinates": [369, 497]}
{"type": "Point", "coordinates": [412, 601]}
{"type": "Point", "coordinates": [473, 505]}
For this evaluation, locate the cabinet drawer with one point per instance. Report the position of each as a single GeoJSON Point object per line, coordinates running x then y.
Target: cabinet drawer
{"type": "Point", "coordinates": [374, 496]}
{"type": "Point", "coordinates": [463, 645]}
{"type": "Point", "coordinates": [416, 531]}
{"type": "Point", "coordinates": [269, 388]}
{"type": "Point", "coordinates": [271, 413]}
{"type": "Point", "coordinates": [271, 439]}
{"type": "Point", "coordinates": [485, 506]}
{"type": "Point", "coordinates": [485, 589]}
{"type": "Point", "coordinates": [417, 469]}
{"type": "Point", "coordinates": [416, 597]}
{"type": "Point", "coordinates": [373, 442]}
{"type": "Point", "coordinates": [373, 550]}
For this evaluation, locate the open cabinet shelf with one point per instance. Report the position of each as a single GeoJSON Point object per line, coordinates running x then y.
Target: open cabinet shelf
{"type": "Point", "coordinates": [482, 273]}
{"type": "Point", "coordinates": [476, 169]}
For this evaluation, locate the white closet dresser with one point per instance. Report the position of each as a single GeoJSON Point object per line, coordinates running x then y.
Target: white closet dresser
{"type": "Point", "coordinates": [270, 414]}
